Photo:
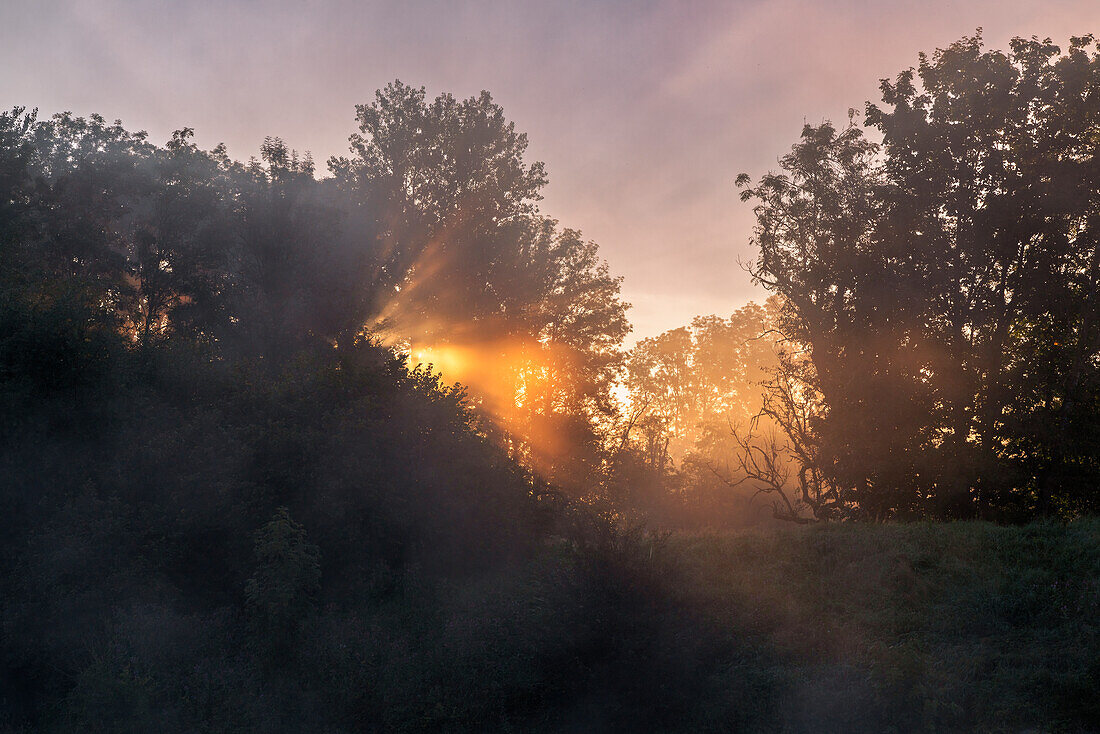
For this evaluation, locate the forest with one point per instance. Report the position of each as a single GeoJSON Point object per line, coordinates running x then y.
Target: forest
{"type": "Point", "coordinates": [366, 449]}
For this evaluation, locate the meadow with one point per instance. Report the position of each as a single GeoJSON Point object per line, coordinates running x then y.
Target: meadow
{"type": "Point", "coordinates": [963, 626]}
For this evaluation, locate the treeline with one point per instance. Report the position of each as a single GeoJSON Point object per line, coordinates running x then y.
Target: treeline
{"type": "Point", "coordinates": [689, 394]}
{"type": "Point", "coordinates": [931, 348]}
{"type": "Point", "coordinates": [231, 504]}
{"type": "Point", "coordinates": [426, 237]}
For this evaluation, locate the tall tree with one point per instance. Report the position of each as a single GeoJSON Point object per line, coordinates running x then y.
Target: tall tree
{"type": "Point", "coordinates": [993, 170]}
{"type": "Point", "coordinates": [468, 274]}
{"type": "Point", "coordinates": [945, 289]}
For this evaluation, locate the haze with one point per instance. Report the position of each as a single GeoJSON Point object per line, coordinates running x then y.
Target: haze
{"type": "Point", "coordinates": [643, 112]}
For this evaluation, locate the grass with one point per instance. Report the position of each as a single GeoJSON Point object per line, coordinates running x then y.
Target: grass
{"type": "Point", "coordinates": [925, 627]}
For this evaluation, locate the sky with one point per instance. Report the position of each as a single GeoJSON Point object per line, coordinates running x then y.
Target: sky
{"type": "Point", "coordinates": [644, 112]}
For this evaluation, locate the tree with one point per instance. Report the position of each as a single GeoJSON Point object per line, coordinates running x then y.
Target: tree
{"type": "Point", "coordinates": [287, 577]}
{"type": "Point", "coordinates": [845, 307]}
{"type": "Point", "coordinates": [466, 273]}
{"type": "Point", "coordinates": [448, 185]}
{"type": "Point", "coordinates": [178, 240]}
{"type": "Point", "coordinates": [695, 380]}
{"type": "Point", "coordinates": [1007, 204]}
{"type": "Point", "coordinates": [140, 231]}
{"type": "Point", "coordinates": [301, 274]}
{"type": "Point", "coordinates": [16, 153]}
{"type": "Point", "coordinates": [686, 390]}
{"type": "Point", "coordinates": [944, 285]}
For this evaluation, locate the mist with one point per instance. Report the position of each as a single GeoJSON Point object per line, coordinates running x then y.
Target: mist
{"type": "Point", "coordinates": [671, 387]}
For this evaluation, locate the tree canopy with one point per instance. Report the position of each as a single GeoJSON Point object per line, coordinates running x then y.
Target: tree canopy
{"type": "Point", "coordinates": [944, 285]}
{"type": "Point", "coordinates": [468, 273]}
{"type": "Point", "coordinates": [233, 502]}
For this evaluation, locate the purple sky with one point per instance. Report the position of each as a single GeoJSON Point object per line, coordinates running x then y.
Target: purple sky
{"type": "Point", "coordinates": [644, 112]}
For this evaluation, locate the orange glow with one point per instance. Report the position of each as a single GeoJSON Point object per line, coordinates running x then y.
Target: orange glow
{"type": "Point", "coordinates": [514, 381]}
{"type": "Point", "coordinates": [521, 382]}
{"type": "Point", "coordinates": [490, 370]}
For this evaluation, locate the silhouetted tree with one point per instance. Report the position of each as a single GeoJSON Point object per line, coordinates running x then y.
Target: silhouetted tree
{"type": "Point", "coordinates": [463, 258]}
{"type": "Point", "coordinates": [945, 289]}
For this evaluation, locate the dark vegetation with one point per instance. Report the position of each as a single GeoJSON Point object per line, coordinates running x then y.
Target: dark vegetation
{"type": "Point", "coordinates": [229, 507]}
{"type": "Point", "coordinates": [232, 502]}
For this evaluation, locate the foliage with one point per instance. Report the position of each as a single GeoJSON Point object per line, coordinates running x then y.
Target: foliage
{"type": "Point", "coordinates": [466, 265]}
{"type": "Point", "coordinates": [944, 288]}
{"type": "Point", "coordinates": [688, 383]}
{"type": "Point", "coordinates": [229, 508]}
{"type": "Point", "coordinates": [287, 575]}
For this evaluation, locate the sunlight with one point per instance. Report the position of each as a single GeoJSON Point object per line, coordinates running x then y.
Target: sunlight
{"type": "Point", "coordinates": [514, 381]}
